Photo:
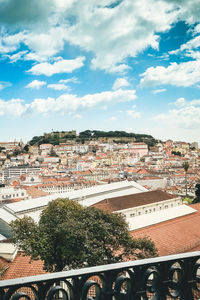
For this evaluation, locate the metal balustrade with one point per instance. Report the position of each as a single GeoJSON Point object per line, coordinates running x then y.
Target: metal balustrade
{"type": "Point", "coordinates": [167, 277]}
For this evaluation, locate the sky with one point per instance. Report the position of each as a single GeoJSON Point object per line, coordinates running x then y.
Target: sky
{"type": "Point", "coordinates": [100, 65]}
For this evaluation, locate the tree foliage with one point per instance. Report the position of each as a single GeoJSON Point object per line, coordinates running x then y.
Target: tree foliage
{"type": "Point", "coordinates": [95, 134]}
{"type": "Point", "coordinates": [71, 236]}
{"type": "Point", "coordinates": [176, 153]}
{"type": "Point", "coordinates": [197, 193]}
{"type": "Point", "coordinates": [54, 138]}
{"type": "Point", "coordinates": [2, 148]}
{"type": "Point", "coordinates": [185, 166]}
{"type": "Point", "coordinates": [53, 153]}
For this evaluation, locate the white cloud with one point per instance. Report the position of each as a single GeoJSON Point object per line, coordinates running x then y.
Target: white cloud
{"type": "Point", "coordinates": [43, 106]}
{"type": "Point", "coordinates": [191, 48]}
{"type": "Point", "coordinates": [188, 10]}
{"type": "Point", "coordinates": [10, 43]}
{"type": "Point", "coordinates": [34, 57]}
{"type": "Point", "coordinates": [4, 84]}
{"type": "Point", "coordinates": [17, 56]}
{"type": "Point", "coordinates": [186, 115]}
{"type": "Point", "coordinates": [62, 84]}
{"type": "Point", "coordinates": [73, 80]}
{"type": "Point", "coordinates": [117, 32]}
{"type": "Point", "coordinates": [180, 102]}
{"type": "Point", "coordinates": [133, 113]}
{"type": "Point", "coordinates": [120, 32]}
{"type": "Point", "coordinates": [36, 84]}
{"type": "Point", "coordinates": [192, 44]}
{"type": "Point", "coordinates": [58, 86]}
{"type": "Point", "coordinates": [13, 107]}
{"type": "Point", "coordinates": [61, 66]}
{"type": "Point", "coordinates": [183, 74]}
{"type": "Point", "coordinates": [158, 91]}
{"type": "Point", "coordinates": [46, 44]}
{"type": "Point", "coordinates": [70, 103]}
{"type": "Point", "coordinates": [120, 82]}
{"type": "Point", "coordinates": [66, 103]}
{"type": "Point", "coordinates": [195, 102]}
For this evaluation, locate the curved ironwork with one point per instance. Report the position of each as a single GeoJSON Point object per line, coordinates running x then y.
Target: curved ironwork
{"type": "Point", "coordinates": [161, 278]}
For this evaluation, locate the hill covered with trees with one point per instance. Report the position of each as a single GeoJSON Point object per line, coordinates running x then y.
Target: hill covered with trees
{"type": "Point", "coordinates": [57, 137]}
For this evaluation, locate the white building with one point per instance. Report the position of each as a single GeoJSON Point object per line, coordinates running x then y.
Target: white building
{"type": "Point", "coordinates": [129, 198]}
{"type": "Point", "coordinates": [86, 197]}
{"type": "Point", "coordinates": [145, 209]}
{"type": "Point", "coordinates": [8, 194]}
{"type": "Point", "coordinates": [140, 203]}
{"type": "Point", "coordinates": [17, 171]}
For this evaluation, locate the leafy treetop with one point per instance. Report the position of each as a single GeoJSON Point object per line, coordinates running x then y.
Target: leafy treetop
{"type": "Point", "coordinates": [185, 166]}
{"type": "Point", "coordinates": [197, 193]}
{"type": "Point", "coordinates": [71, 236]}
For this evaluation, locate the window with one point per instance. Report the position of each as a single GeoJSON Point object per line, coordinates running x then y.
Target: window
{"type": "Point", "coordinates": [132, 215]}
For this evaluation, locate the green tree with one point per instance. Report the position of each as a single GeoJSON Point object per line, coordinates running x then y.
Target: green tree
{"type": "Point", "coordinates": [186, 166]}
{"type": "Point", "coordinates": [197, 193]}
{"type": "Point", "coordinates": [2, 148]}
{"type": "Point", "coordinates": [53, 153]}
{"type": "Point", "coordinates": [177, 153]}
{"type": "Point", "coordinates": [71, 236]}
{"type": "Point", "coordinates": [26, 148]}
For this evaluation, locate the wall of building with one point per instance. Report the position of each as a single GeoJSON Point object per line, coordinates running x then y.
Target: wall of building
{"type": "Point", "coordinates": [150, 208]}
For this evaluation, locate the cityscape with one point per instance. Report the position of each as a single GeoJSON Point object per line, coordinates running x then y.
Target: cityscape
{"type": "Point", "coordinates": [153, 183]}
{"type": "Point", "coordinates": [72, 165]}
{"type": "Point", "coordinates": [99, 150]}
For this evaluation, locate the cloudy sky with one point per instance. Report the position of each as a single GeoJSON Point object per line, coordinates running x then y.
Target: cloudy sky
{"type": "Point", "coordinates": [106, 65]}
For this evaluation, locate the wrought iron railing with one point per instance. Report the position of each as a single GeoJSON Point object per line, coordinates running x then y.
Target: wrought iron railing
{"type": "Point", "coordinates": [167, 277]}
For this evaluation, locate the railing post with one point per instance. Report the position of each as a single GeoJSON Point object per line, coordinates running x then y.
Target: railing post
{"type": "Point", "coordinates": [108, 291]}
{"type": "Point", "coordinates": [189, 279]}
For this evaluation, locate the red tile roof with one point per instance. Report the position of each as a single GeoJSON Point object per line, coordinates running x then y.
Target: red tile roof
{"type": "Point", "coordinates": [34, 192]}
{"type": "Point", "coordinates": [175, 236]}
{"type": "Point", "coordinates": [22, 267]}
{"type": "Point", "coordinates": [124, 202]}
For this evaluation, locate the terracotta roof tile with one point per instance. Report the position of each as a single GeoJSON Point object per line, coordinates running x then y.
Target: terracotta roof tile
{"type": "Point", "coordinates": [22, 267]}
{"type": "Point", "coordinates": [124, 202]}
{"type": "Point", "coordinates": [175, 236]}
{"type": "Point", "coordinates": [34, 192]}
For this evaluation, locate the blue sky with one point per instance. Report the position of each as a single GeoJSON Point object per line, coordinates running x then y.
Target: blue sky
{"type": "Point", "coordinates": [105, 65]}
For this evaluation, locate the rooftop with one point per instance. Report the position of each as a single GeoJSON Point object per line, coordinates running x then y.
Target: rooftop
{"type": "Point", "coordinates": [175, 236]}
{"type": "Point", "coordinates": [133, 200]}
{"type": "Point", "coordinates": [159, 216]}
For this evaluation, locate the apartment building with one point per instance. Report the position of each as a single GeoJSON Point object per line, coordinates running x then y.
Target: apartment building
{"type": "Point", "coordinates": [17, 171]}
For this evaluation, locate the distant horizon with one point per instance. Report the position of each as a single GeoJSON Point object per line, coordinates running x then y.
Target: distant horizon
{"type": "Point", "coordinates": [119, 65]}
